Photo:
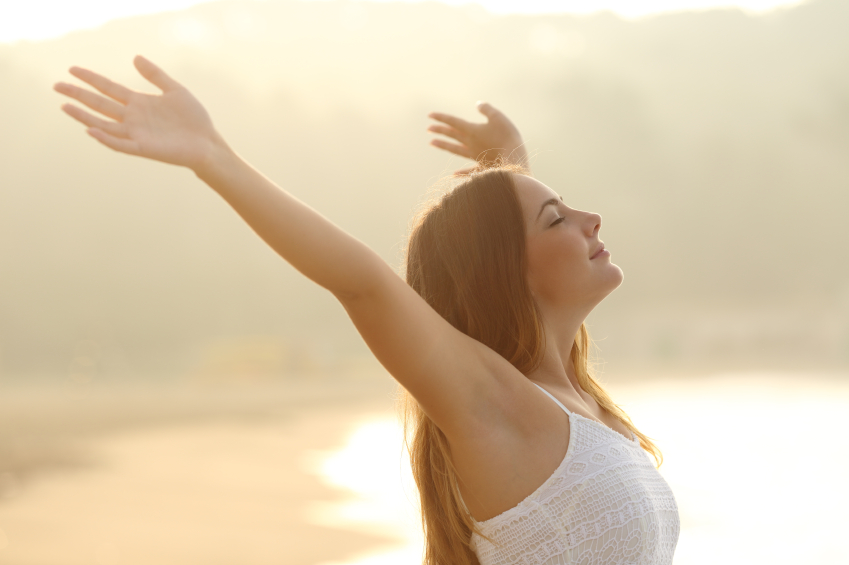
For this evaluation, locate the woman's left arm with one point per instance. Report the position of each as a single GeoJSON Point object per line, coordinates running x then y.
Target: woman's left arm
{"type": "Point", "coordinates": [495, 141]}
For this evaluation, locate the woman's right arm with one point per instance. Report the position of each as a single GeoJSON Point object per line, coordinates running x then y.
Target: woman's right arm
{"type": "Point", "coordinates": [450, 374]}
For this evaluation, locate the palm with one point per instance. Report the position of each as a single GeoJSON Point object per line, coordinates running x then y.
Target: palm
{"type": "Point", "coordinates": [495, 141]}
{"type": "Point", "coordinates": [169, 127]}
{"type": "Point", "coordinates": [172, 127]}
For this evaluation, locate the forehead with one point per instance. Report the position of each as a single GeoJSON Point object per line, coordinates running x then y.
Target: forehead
{"type": "Point", "coordinates": [532, 194]}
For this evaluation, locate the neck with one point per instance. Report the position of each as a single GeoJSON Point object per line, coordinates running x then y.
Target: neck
{"type": "Point", "coordinates": [556, 368]}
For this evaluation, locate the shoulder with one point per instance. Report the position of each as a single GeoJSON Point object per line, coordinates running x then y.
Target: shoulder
{"type": "Point", "coordinates": [511, 448]}
{"type": "Point", "coordinates": [507, 409]}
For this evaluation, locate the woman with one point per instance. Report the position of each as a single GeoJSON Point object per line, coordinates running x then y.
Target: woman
{"type": "Point", "coordinates": [519, 455]}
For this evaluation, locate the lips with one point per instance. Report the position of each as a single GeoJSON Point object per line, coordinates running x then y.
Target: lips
{"type": "Point", "coordinates": [598, 251]}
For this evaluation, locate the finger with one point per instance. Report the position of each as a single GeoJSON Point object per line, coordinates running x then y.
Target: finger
{"type": "Point", "coordinates": [454, 148]}
{"type": "Point", "coordinates": [453, 121]}
{"type": "Point", "coordinates": [96, 102]}
{"type": "Point", "coordinates": [112, 89]}
{"type": "Point", "coordinates": [489, 110]}
{"type": "Point", "coordinates": [118, 144]}
{"type": "Point", "coordinates": [154, 74]}
{"type": "Point", "coordinates": [112, 128]}
{"type": "Point", "coordinates": [449, 131]}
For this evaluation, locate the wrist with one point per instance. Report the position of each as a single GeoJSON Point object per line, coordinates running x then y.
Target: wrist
{"type": "Point", "coordinates": [217, 157]}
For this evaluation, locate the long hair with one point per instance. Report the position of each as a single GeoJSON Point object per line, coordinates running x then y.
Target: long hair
{"type": "Point", "coordinates": [466, 258]}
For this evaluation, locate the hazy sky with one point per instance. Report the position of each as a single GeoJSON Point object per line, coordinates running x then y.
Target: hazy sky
{"type": "Point", "coordinates": [44, 19]}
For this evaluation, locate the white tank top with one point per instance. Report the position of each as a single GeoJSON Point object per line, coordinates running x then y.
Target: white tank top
{"type": "Point", "coordinates": [605, 504]}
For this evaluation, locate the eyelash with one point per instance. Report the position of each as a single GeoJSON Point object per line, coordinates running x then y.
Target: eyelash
{"type": "Point", "coordinates": [557, 221]}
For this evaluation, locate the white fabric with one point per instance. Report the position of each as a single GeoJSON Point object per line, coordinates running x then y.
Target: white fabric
{"type": "Point", "coordinates": [605, 504]}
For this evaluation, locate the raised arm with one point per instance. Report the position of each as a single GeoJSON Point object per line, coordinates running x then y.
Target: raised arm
{"type": "Point", "coordinates": [493, 141]}
{"type": "Point", "coordinates": [418, 347]}
{"type": "Point", "coordinates": [175, 128]}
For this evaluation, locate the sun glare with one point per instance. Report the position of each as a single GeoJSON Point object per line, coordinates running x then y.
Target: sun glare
{"type": "Point", "coordinates": [724, 471]}
{"type": "Point", "coordinates": [375, 472]}
{"type": "Point", "coordinates": [36, 20]}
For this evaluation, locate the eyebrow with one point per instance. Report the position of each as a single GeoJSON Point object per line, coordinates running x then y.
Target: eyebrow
{"type": "Point", "coordinates": [549, 202]}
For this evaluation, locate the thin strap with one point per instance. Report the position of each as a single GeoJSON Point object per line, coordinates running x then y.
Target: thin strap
{"type": "Point", "coordinates": [554, 399]}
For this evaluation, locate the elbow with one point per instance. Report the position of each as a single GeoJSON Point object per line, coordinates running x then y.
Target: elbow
{"type": "Point", "coordinates": [368, 289]}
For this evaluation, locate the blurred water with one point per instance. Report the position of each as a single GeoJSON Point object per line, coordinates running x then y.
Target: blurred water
{"type": "Point", "coordinates": [757, 463]}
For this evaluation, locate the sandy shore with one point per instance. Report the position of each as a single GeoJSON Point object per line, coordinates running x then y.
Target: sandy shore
{"type": "Point", "coordinates": [176, 474]}
{"type": "Point", "coordinates": [308, 472]}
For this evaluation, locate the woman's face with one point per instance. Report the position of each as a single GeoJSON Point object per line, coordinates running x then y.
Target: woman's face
{"type": "Point", "coordinates": [567, 263]}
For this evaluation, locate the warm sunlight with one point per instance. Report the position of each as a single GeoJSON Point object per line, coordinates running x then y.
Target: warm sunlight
{"type": "Point", "coordinates": [718, 501]}
{"type": "Point", "coordinates": [36, 20]}
{"type": "Point", "coordinates": [188, 186]}
{"type": "Point", "coordinates": [375, 473]}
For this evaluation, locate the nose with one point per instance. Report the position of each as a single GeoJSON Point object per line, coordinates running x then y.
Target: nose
{"type": "Point", "coordinates": [593, 224]}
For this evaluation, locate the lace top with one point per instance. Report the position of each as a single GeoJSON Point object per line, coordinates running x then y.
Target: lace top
{"type": "Point", "coordinates": [605, 504]}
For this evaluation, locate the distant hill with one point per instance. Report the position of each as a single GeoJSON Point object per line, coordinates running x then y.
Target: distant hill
{"type": "Point", "coordinates": [715, 144]}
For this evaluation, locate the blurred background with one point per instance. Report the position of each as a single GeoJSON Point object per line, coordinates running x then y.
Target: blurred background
{"type": "Point", "coordinates": [171, 390]}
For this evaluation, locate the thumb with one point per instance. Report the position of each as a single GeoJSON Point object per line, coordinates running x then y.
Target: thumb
{"type": "Point", "coordinates": [488, 110]}
{"type": "Point", "coordinates": [154, 74]}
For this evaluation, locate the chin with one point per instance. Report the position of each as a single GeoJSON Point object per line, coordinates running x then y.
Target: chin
{"type": "Point", "coordinates": [619, 274]}
{"type": "Point", "coordinates": [611, 282]}
{"type": "Point", "coordinates": [616, 276]}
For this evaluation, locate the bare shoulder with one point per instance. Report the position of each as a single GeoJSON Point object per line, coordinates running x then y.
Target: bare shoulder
{"type": "Point", "coordinates": [508, 407]}
{"type": "Point", "coordinates": [466, 388]}
{"type": "Point", "coordinates": [494, 402]}
{"type": "Point", "coordinates": [458, 381]}
{"type": "Point", "coordinates": [514, 444]}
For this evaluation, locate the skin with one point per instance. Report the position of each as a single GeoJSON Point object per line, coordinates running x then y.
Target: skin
{"type": "Point", "coordinates": [568, 276]}
{"type": "Point", "coordinates": [502, 466]}
{"type": "Point", "coordinates": [506, 436]}
{"type": "Point", "coordinates": [496, 139]}
{"type": "Point", "coordinates": [567, 283]}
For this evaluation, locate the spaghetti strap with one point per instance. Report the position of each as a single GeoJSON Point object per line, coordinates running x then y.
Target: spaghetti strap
{"type": "Point", "coordinates": [554, 399]}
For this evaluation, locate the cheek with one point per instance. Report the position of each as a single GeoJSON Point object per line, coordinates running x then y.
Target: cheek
{"type": "Point", "coordinates": [553, 263]}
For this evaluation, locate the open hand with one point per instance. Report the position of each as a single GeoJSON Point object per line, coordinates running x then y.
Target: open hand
{"type": "Point", "coordinates": [172, 127]}
{"type": "Point", "coordinates": [496, 140]}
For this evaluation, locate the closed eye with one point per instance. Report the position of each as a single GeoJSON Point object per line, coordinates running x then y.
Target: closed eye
{"type": "Point", "coordinates": [557, 221]}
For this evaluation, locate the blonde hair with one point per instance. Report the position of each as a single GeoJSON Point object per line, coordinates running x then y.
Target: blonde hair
{"type": "Point", "coordinates": [466, 258]}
